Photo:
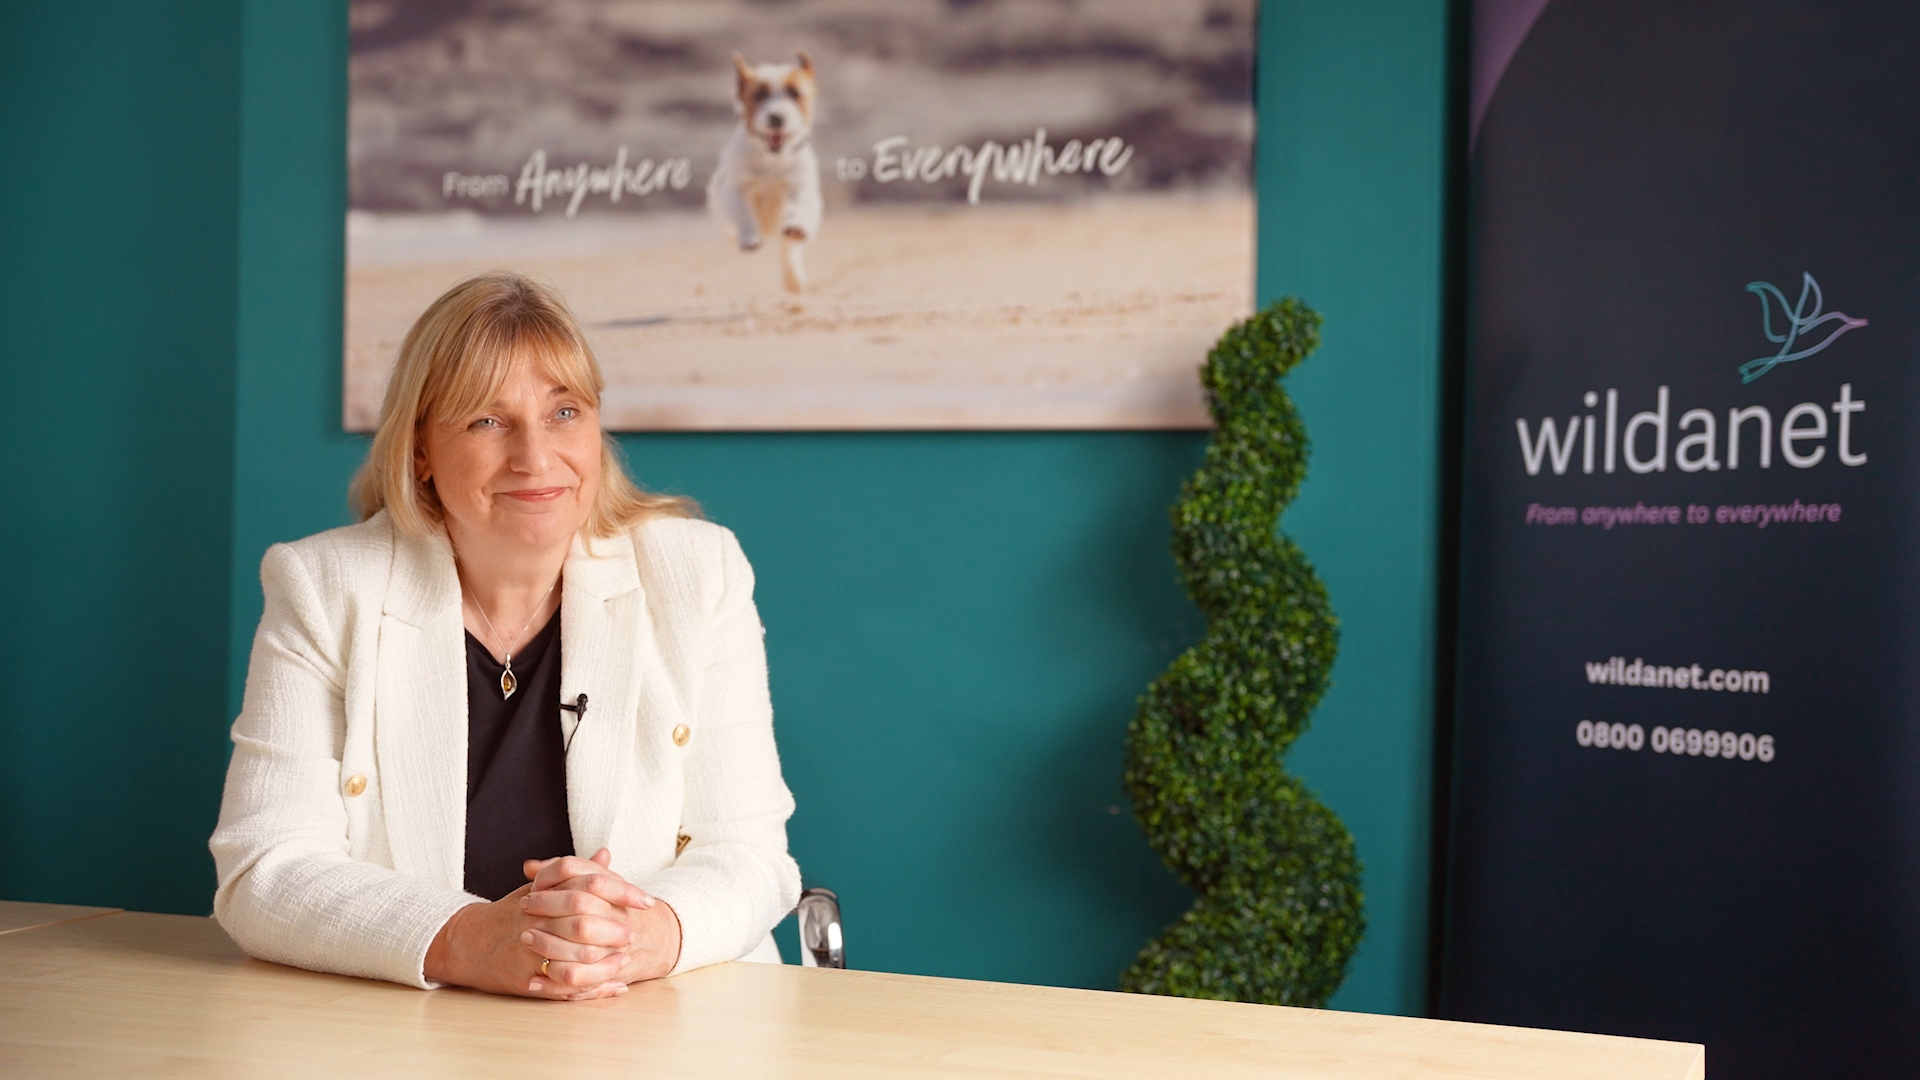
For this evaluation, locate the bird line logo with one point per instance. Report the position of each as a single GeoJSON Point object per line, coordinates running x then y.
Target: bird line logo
{"type": "Point", "coordinates": [1802, 319]}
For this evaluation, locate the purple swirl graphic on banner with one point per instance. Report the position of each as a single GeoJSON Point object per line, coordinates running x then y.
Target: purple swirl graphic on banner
{"type": "Point", "coordinates": [1499, 26]}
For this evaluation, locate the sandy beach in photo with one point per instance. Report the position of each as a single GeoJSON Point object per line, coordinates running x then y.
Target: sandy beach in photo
{"type": "Point", "coordinates": [959, 317]}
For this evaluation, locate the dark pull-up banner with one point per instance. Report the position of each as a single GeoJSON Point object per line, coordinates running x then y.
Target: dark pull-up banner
{"type": "Point", "coordinates": [1686, 787]}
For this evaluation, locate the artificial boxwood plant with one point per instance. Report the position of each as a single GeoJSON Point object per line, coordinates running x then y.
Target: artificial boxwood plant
{"type": "Point", "coordinates": [1279, 911]}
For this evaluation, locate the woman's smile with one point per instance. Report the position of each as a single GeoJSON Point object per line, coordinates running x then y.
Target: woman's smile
{"type": "Point", "coordinates": [536, 495]}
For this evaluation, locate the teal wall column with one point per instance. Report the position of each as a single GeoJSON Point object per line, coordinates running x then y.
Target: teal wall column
{"type": "Point", "coordinates": [117, 298]}
{"type": "Point", "coordinates": [1352, 160]}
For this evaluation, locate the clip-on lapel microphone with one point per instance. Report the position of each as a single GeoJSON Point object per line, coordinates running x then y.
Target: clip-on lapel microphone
{"type": "Point", "coordinates": [579, 711]}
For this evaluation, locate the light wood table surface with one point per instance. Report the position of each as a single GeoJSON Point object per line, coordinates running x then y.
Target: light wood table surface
{"type": "Point", "coordinates": [25, 915]}
{"type": "Point", "coordinates": [145, 995]}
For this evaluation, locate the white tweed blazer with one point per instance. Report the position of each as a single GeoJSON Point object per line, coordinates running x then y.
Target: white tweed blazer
{"type": "Point", "coordinates": [342, 837]}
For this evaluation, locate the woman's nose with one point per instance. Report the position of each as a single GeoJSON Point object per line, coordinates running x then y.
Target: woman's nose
{"type": "Point", "coordinates": [530, 449]}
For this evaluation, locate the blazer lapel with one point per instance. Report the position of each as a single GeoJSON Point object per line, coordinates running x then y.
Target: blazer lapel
{"type": "Point", "coordinates": [602, 624]}
{"type": "Point", "coordinates": [420, 712]}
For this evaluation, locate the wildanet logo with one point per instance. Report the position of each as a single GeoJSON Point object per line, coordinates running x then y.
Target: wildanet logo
{"type": "Point", "coordinates": [1643, 445]}
{"type": "Point", "coordinates": [1802, 318]}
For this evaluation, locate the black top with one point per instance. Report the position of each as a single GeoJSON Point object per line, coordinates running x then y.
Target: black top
{"type": "Point", "coordinates": [516, 765]}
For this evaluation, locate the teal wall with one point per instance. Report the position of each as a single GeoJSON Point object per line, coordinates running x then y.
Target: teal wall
{"type": "Point", "coordinates": [1351, 164]}
{"type": "Point", "coordinates": [957, 623]}
{"type": "Point", "coordinates": [117, 304]}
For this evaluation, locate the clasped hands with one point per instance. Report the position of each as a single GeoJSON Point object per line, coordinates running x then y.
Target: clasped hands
{"type": "Point", "coordinates": [595, 931]}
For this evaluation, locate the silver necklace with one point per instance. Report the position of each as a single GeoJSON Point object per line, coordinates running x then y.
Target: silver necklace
{"type": "Point", "coordinates": [508, 684]}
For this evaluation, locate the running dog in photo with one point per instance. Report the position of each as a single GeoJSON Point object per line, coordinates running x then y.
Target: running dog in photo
{"type": "Point", "coordinates": [769, 177]}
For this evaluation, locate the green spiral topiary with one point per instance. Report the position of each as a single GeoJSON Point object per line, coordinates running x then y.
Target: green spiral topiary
{"type": "Point", "coordinates": [1279, 912]}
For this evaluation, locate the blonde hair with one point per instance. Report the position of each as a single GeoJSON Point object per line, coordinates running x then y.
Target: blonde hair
{"type": "Point", "coordinates": [456, 358]}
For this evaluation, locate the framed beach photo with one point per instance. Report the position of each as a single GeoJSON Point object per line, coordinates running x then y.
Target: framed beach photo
{"type": "Point", "coordinates": [818, 214]}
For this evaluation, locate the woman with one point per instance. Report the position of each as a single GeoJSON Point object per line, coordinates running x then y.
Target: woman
{"type": "Point", "coordinates": [517, 658]}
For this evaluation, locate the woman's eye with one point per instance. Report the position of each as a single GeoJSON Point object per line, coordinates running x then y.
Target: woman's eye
{"type": "Point", "coordinates": [485, 423]}
{"type": "Point", "coordinates": [567, 412]}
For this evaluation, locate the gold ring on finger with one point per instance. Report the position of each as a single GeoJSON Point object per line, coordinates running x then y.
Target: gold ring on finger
{"type": "Point", "coordinates": [543, 965]}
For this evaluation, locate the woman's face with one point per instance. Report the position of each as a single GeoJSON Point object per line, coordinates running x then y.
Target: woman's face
{"type": "Point", "coordinates": [521, 472]}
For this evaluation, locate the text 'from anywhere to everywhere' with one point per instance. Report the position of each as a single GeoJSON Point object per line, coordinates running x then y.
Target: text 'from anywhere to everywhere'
{"type": "Point", "coordinates": [1758, 515]}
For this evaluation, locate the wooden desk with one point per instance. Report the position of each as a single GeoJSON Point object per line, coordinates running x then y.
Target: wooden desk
{"type": "Point", "coordinates": [137, 995]}
{"type": "Point", "coordinates": [24, 915]}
